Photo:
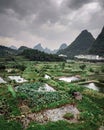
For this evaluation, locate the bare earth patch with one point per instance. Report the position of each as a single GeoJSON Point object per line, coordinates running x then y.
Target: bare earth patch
{"type": "Point", "coordinates": [101, 128]}
{"type": "Point", "coordinates": [2, 81]}
{"type": "Point", "coordinates": [51, 115]}
{"type": "Point", "coordinates": [46, 88]}
{"type": "Point", "coordinates": [69, 79]}
{"type": "Point", "coordinates": [18, 79]}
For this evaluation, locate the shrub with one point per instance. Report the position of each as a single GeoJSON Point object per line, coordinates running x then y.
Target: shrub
{"type": "Point", "coordinates": [68, 116]}
{"type": "Point", "coordinates": [91, 70]}
{"type": "Point", "coordinates": [102, 68]}
{"type": "Point", "coordinates": [82, 66]}
{"type": "Point", "coordinates": [20, 67]}
{"type": "Point", "coordinates": [2, 66]}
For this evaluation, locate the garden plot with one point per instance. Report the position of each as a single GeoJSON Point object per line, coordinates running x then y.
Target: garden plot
{"type": "Point", "coordinates": [43, 99]}
{"type": "Point", "coordinates": [69, 79]}
{"type": "Point", "coordinates": [35, 87]}
{"type": "Point", "coordinates": [18, 79]}
{"type": "Point", "coordinates": [51, 115]}
{"type": "Point", "coordinates": [2, 81]}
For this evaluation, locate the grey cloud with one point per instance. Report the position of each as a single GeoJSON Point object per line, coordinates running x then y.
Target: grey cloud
{"type": "Point", "coordinates": [5, 5]}
{"type": "Point", "coordinates": [50, 15]}
{"type": "Point", "coordinates": [17, 16]}
{"type": "Point", "coordinates": [42, 8]}
{"type": "Point", "coordinates": [101, 3]}
{"type": "Point", "coordinates": [97, 20]}
{"type": "Point", "coordinates": [75, 4]}
{"type": "Point", "coordinates": [10, 25]}
{"type": "Point", "coordinates": [10, 4]}
{"type": "Point", "coordinates": [15, 12]}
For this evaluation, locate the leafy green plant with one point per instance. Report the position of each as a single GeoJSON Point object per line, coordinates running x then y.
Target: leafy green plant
{"type": "Point", "coordinates": [41, 100]}
{"type": "Point", "coordinates": [82, 66]}
{"type": "Point", "coordinates": [12, 91]}
{"type": "Point", "coordinates": [68, 116]}
{"type": "Point", "coordinates": [91, 70]}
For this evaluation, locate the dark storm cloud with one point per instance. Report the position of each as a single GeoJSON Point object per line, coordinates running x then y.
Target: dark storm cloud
{"type": "Point", "coordinates": [101, 3]}
{"type": "Point", "coordinates": [48, 20]}
{"type": "Point", "coordinates": [5, 4]}
{"type": "Point", "coordinates": [34, 13]}
{"type": "Point", "coordinates": [43, 9]}
{"type": "Point", "coordinates": [14, 5]}
{"type": "Point", "coordinates": [75, 4]}
{"type": "Point", "coordinates": [10, 25]}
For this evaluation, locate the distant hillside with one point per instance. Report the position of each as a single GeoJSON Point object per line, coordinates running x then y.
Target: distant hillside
{"type": "Point", "coordinates": [98, 46]}
{"type": "Point", "coordinates": [80, 45]}
{"type": "Point", "coordinates": [47, 50]}
{"type": "Point", "coordinates": [31, 54]}
{"type": "Point", "coordinates": [21, 49]}
{"type": "Point", "coordinates": [6, 52]}
{"type": "Point", "coordinates": [13, 47]}
{"type": "Point", "coordinates": [36, 55]}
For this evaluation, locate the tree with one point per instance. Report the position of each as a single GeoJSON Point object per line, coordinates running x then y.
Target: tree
{"type": "Point", "coordinates": [63, 65]}
{"type": "Point", "coordinates": [2, 66]}
{"type": "Point", "coordinates": [82, 66]}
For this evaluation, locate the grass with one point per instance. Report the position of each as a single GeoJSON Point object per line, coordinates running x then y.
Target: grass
{"type": "Point", "coordinates": [9, 125]}
{"type": "Point", "coordinates": [68, 116]}
{"type": "Point", "coordinates": [63, 125]}
{"type": "Point", "coordinates": [91, 106]}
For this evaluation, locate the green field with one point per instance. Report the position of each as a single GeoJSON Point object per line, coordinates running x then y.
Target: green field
{"type": "Point", "coordinates": [19, 100]}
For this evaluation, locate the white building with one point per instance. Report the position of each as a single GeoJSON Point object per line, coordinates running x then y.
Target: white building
{"type": "Point", "coordinates": [89, 57]}
{"type": "Point", "coordinates": [61, 55]}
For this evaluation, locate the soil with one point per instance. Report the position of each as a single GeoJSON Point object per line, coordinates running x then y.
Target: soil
{"type": "Point", "coordinates": [51, 115]}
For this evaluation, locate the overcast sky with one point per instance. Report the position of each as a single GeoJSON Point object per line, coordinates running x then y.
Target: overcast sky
{"type": "Point", "coordinates": [49, 22]}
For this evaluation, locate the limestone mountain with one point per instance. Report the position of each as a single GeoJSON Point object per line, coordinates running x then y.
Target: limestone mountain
{"type": "Point", "coordinates": [63, 46]}
{"type": "Point", "coordinates": [97, 47]}
{"type": "Point", "coordinates": [13, 47]}
{"type": "Point", "coordinates": [39, 47]}
{"type": "Point", "coordinates": [79, 46]}
{"type": "Point", "coordinates": [47, 50]}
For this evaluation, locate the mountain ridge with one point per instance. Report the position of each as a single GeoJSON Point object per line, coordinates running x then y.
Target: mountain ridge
{"type": "Point", "coordinates": [80, 45]}
{"type": "Point", "coordinates": [13, 47]}
{"type": "Point", "coordinates": [97, 47]}
{"type": "Point", "coordinates": [47, 50]}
